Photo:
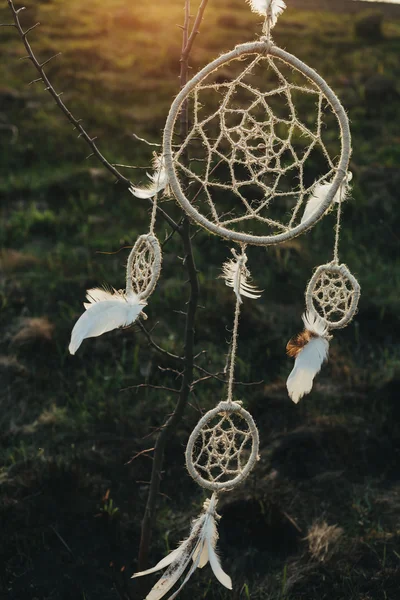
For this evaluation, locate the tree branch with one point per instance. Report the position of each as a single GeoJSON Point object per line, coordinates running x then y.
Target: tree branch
{"type": "Point", "coordinates": [195, 31]}
{"type": "Point", "coordinates": [156, 346]}
{"type": "Point", "coordinates": [188, 359]}
{"type": "Point", "coordinates": [75, 122]}
{"type": "Point", "coordinates": [153, 387]}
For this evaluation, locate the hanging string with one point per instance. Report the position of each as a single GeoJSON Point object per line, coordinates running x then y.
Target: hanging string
{"type": "Point", "coordinates": [233, 351]}
{"type": "Point", "coordinates": [337, 227]}
{"type": "Point", "coordinates": [153, 215]}
{"type": "Point", "coordinates": [235, 333]}
{"type": "Point", "coordinates": [268, 22]}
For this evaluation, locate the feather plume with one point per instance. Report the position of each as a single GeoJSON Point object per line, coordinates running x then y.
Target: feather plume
{"type": "Point", "coordinates": [235, 273]}
{"type": "Point", "coordinates": [319, 194]}
{"type": "Point", "coordinates": [198, 547]}
{"type": "Point", "coordinates": [158, 181]}
{"type": "Point", "coordinates": [310, 350]}
{"type": "Point", "coordinates": [105, 311]}
{"type": "Point", "coordinates": [261, 7]}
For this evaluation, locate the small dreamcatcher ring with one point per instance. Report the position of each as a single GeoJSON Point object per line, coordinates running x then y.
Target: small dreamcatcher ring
{"type": "Point", "coordinates": [333, 292]}
{"type": "Point", "coordinates": [262, 49]}
{"type": "Point", "coordinates": [144, 266]}
{"type": "Point", "coordinates": [224, 459]}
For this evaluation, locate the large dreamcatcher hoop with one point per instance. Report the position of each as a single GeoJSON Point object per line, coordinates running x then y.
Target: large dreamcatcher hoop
{"type": "Point", "coordinates": [256, 152]}
{"type": "Point", "coordinates": [262, 124]}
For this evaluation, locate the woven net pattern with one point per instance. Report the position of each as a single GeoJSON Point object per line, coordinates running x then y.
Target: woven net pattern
{"type": "Point", "coordinates": [334, 293]}
{"type": "Point", "coordinates": [262, 136]}
{"type": "Point", "coordinates": [221, 450]}
{"type": "Point", "coordinates": [144, 265]}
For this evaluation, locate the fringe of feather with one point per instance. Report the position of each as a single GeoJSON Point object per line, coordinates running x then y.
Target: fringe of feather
{"type": "Point", "coordinates": [236, 274]}
{"type": "Point", "coordinates": [158, 181]}
{"type": "Point", "coordinates": [310, 349]}
{"type": "Point", "coordinates": [320, 192]}
{"type": "Point", "coordinates": [105, 311]}
{"type": "Point", "coordinates": [274, 8]}
{"type": "Point", "coordinates": [199, 547]}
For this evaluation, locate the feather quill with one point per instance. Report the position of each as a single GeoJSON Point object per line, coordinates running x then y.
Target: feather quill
{"type": "Point", "coordinates": [198, 547]}
{"type": "Point", "coordinates": [261, 7]}
{"type": "Point", "coordinates": [105, 311]}
{"type": "Point", "coordinates": [158, 181]}
{"type": "Point", "coordinates": [310, 350]}
{"type": "Point", "coordinates": [319, 194]}
{"type": "Point", "coordinates": [235, 273]}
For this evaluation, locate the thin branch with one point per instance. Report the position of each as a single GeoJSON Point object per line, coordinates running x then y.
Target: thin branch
{"type": "Point", "coordinates": [185, 391]}
{"type": "Point", "coordinates": [30, 29]}
{"type": "Point", "coordinates": [76, 122]}
{"type": "Point", "coordinates": [64, 543]}
{"type": "Point", "coordinates": [145, 141]}
{"type": "Point", "coordinates": [129, 166]}
{"type": "Point", "coordinates": [56, 98]}
{"type": "Point", "coordinates": [156, 346]}
{"type": "Point", "coordinates": [217, 377]}
{"type": "Point", "coordinates": [148, 385]}
{"type": "Point", "coordinates": [169, 370]}
{"type": "Point", "coordinates": [188, 361]}
{"type": "Point", "coordinates": [141, 453]}
{"type": "Point", "coordinates": [195, 30]}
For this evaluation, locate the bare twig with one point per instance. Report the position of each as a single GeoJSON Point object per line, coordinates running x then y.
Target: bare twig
{"type": "Point", "coordinates": [141, 453]}
{"type": "Point", "coordinates": [64, 543]}
{"type": "Point", "coordinates": [148, 385]}
{"type": "Point", "coordinates": [195, 31]}
{"type": "Point", "coordinates": [188, 359]}
{"type": "Point", "coordinates": [76, 122]}
{"type": "Point", "coordinates": [145, 141]}
{"type": "Point", "coordinates": [217, 377]}
{"type": "Point", "coordinates": [156, 346]}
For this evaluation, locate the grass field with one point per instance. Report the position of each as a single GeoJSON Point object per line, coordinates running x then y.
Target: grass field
{"type": "Point", "coordinates": [319, 518]}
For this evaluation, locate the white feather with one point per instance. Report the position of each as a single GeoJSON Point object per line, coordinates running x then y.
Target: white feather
{"type": "Point", "coordinates": [105, 311]}
{"type": "Point", "coordinates": [319, 194]}
{"type": "Point", "coordinates": [236, 274]}
{"type": "Point", "coordinates": [306, 366]}
{"type": "Point", "coordinates": [261, 8]}
{"type": "Point", "coordinates": [158, 180]}
{"type": "Point", "coordinates": [164, 562]}
{"type": "Point", "coordinates": [216, 567]}
{"type": "Point", "coordinates": [179, 564]}
{"type": "Point", "coordinates": [200, 547]}
{"type": "Point", "coordinates": [192, 569]}
{"type": "Point", "coordinates": [309, 361]}
{"type": "Point", "coordinates": [314, 323]}
{"type": "Point", "coordinates": [202, 554]}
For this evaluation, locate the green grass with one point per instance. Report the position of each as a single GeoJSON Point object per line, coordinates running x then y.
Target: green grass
{"type": "Point", "coordinates": [69, 428]}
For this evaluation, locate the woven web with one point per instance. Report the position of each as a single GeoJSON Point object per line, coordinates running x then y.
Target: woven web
{"type": "Point", "coordinates": [222, 451]}
{"type": "Point", "coordinates": [333, 295]}
{"type": "Point", "coordinates": [142, 266]}
{"type": "Point", "coordinates": [262, 135]}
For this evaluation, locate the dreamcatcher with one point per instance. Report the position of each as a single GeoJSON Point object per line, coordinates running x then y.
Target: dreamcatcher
{"type": "Point", "coordinates": [109, 309]}
{"type": "Point", "coordinates": [262, 123]}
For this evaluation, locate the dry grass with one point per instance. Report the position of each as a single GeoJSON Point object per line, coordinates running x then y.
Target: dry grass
{"type": "Point", "coordinates": [323, 540]}
{"type": "Point", "coordinates": [32, 330]}
{"type": "Point", "coordinates": [13, 260]}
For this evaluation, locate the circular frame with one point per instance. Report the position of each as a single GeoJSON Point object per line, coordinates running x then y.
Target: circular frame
{"type": "Point", "coordinates": [262, 47]}
{"type": "Point", "coordinates": [344, 271]}
{"type": "Point", "coordinates": [153, 242]}
{"type": "Point", "coordinates": [228, 408]}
